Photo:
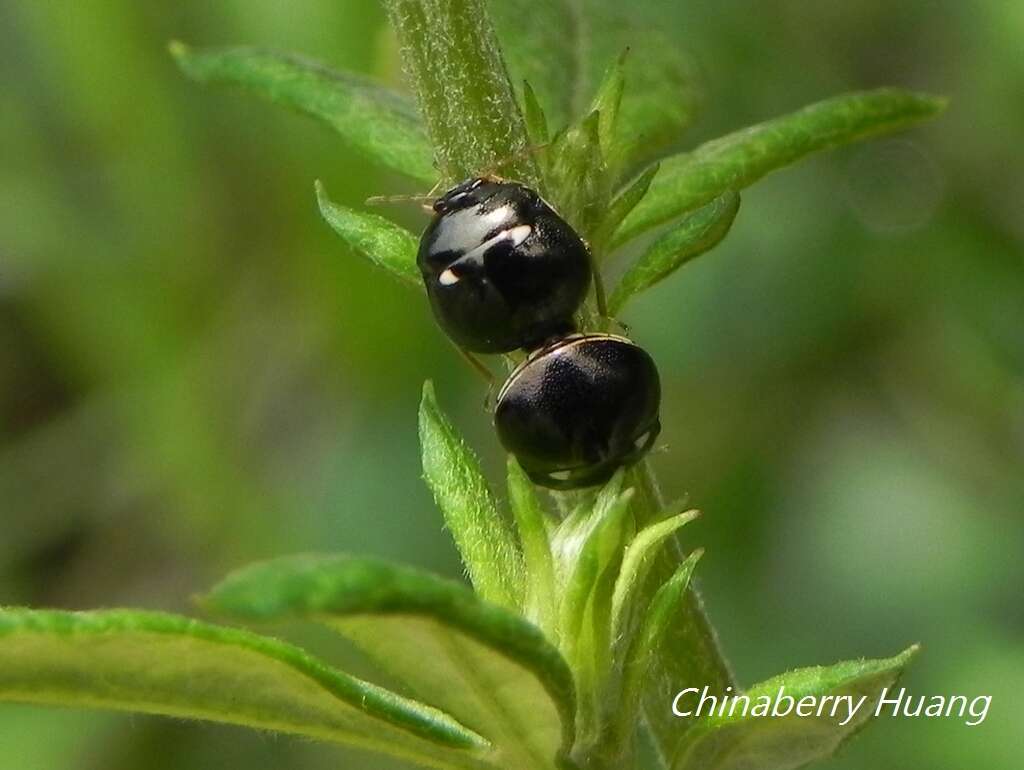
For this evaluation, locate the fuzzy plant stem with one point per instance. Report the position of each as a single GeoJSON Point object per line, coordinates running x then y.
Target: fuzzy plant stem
{"type": "Point", "coordinates": [452, 59]}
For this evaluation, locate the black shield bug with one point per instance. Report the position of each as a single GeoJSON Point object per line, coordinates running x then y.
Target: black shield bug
{"type": "Point", "coordinates": [579, 408]}
{"type": "Point", "coordinates": [502, 269]}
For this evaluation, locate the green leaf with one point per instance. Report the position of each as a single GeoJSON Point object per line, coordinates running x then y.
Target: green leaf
{"type": "Point", "coordinates": [378, 122]}
{"type": "Point", "coordinates": [533, 534]}
{"type": "Point", "coordinates": [696, 234]}
{"type": "Point", "coordinates": [483, 537]}
{"type": "Point", "coordinates": [661, 95]}
{"type": "Point", "coordinates": [739, 159]}
{"type": "Point", "coordinates": [648, 642]}
{"type": "Point", "coordinates": [606, 103]}
{"type": "Point", "coordinates": [565, 47]}
{"type": "Point", "coordinates": [619, 208]}
{"type": "Point", "coordinates": [533, 38]}
{"type": "Point", "coordinates": [476, 660]}
{"type": "Point", "coordinates": [384, 243]}
{"type": "Point", "coordinates": [578, 179]}
{"type": "Point", "coordinates": [453, 61]}
{"type": "Point", "coordinates": [165, 664]}
{"type": "Point", "coordinates": [588, 546]}
{"type": "Point", "coordinates": [636, 566]}
{"type": "Point", "coordinates": [691, 652]}
{"type": "Point", "coordinates": [786, 742]}
{"type": "Point", "coordinates": [533, 114]}
{"type": "Point", "coordinates": [538, 133]}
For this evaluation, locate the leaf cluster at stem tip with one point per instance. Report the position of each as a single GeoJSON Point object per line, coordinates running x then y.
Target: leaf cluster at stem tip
{"type": "Point", "coordinates": [469, 119]}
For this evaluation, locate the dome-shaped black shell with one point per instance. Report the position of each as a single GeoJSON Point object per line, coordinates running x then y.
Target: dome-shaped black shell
{"type": "Point", "coordinates": [502, 269]}
{"type": "Point", "coordinates": [580, 408]}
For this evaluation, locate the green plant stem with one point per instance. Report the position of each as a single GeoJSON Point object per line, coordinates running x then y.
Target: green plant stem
{"type": "Point", "coordinates": [451, 55]}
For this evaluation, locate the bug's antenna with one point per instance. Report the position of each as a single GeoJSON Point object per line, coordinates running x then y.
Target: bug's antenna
{"type": "Point", "coordinates": [377, 200]}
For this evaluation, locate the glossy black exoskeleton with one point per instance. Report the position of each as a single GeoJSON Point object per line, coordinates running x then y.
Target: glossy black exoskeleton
{"type": "Point", "coordinates": [502, 269]}
{"type": "Point", "coordinates": [579, 408]}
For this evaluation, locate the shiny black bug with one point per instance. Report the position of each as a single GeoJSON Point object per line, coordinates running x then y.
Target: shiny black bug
{"type": "Point", "coordinates": [502, 269]}
{"type": "Point", "coordinates": [579, 408]}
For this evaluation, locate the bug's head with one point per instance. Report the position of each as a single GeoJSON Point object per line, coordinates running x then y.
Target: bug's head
{"type": "Point", "coordinates": [472, 192]}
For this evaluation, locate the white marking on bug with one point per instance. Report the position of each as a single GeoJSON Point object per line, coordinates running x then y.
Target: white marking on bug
{"type": "Point", "coordinates": [518, 234]}
{"type": "Point", "coordinates": [499, 215]}
{"type": "Point", "coordinates": [448, 278]}
{"type": "Point", "coordinates": [514, 234]}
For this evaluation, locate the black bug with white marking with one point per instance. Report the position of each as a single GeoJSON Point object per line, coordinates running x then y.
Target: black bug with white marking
{"type": "Point", "coordinates": [579, 408]}
{"type": "Point", "coordinates": [502, 269]}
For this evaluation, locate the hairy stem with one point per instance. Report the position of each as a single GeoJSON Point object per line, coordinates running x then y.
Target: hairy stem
{"type": "Point", "coordinates": [452, 58]}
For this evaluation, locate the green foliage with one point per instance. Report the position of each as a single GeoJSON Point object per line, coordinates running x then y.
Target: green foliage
{"type": "Point", "coordinates": [647, 643]}
{"type": "Point", "coordinates": [164, 664]}
{"type": "Point", "coordinates": [620, 207]}
{"type": "Point", "coordinates": [564, 49]}
{"type": "Point", "coordinates": [694, 235]}
{"type": "Point", "coordinates": [784, 743]}
{"type": "Point", "coordinates": [489, 668]}
{"type": "Point", "coordinates": [607, 103]}
{"type": "Point", "coordinates": [540, 53]}
{"type": "Point", "coordinates": [588, 548]}
{"type": "Point", "coordinates": [378, 122]}
{"type": "Point", "coordinates": [578, 174]}
{"type": "Point", "coordinates": [381, 241]}
{"type": "Point", "coordinates": [453, 474]}
{"type": "Point", "coordinates": [734, 161]}
{"type": "Point", "coordinates": [536, 119]}
{"type": "Point", "coordinates": [637, 561]}
{"type": "Point", "coordinates": [582, 625]}
{"type": "Point", "coordinates": [532, 525]}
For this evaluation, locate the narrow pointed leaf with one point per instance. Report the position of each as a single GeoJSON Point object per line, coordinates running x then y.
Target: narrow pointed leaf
{"type": "Point", "coordinates": [636, 566]}
{"type": "Point", "coordinates": [689, 630]}
{"type": "Point", "coordinates": [648, 643]}
{"type": "Point", "coordinates": [483, 537]}
{"type": "Point", "coordinates": [453, 61]}
{"type": "Point", "coordinates": [165, 664]}
{"type": "Point", "coordinates": [696, 234]}
{"type": "Point", "coordinates": [538, 133]}
{"type": "Point", "coordinates": [533, 114]}
{"type": "Point", "coordinates": [701, 664]}
{"type": "Point", "coordinates": [532, 524]}
{"type": "Point", "coordinates": [578, 178]}
{"type": "Point", "coordinates": [571, 535]}
{"type": "Point", "coordinates": [565, 47]}
{"type": "Point", "coordinates": [787, 742]}
{"type": "Point", "coordinates": [584, 546]}
{"type": "Point", "coordinates": [378, 122]}
{"type": "Point", "coordinates": [475, 660]}
{"type": "Point", "coordinates": [590, 549]}
{"type": "Point", "coordinates": [739, 159]}
{"type": "Point", "coordinates": [536, 41]}
{"type": "Point", "coordinates": [621, 205]}
{"type": "Point", "coordinates": [661, 94]}
{"type": "Point", "coordinates": [379, 240]}
{"type": "Point", "coordinates": [607, 102]}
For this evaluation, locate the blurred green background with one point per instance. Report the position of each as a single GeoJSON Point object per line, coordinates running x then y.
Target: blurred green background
{"type": "Point", "coordinates": [195, 373]}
